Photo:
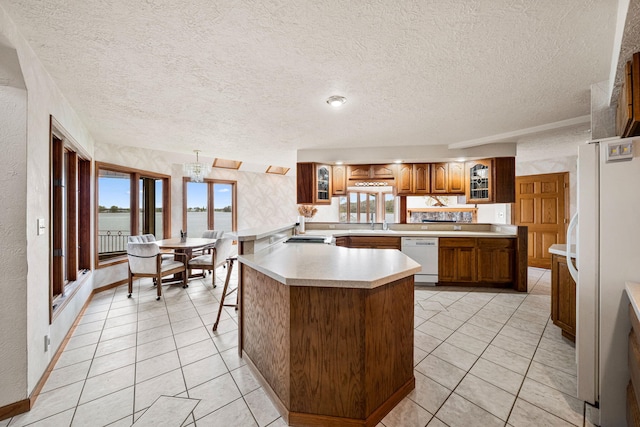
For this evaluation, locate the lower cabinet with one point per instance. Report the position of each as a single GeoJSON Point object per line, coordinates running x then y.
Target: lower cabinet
{"type": "Point", "coordinates": [563, 297]}
{"type": "Point", "coordinates": [457, 260]}
{"type": "Point", "coordinates": [496, 260]}
{"type": "Point", "coordinates": [372, 242]}
{"type": "Point", "coordinates": [485, 261]}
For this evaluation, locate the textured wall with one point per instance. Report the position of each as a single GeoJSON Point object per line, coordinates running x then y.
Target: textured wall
{"type": "Point", "coordinates": [43, 99]}
{"type": "Point", "coordinates": [13, 260]}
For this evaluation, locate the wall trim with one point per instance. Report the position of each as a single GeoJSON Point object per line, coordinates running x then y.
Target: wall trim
{"type": "Point", "coordinates": [109, 286]}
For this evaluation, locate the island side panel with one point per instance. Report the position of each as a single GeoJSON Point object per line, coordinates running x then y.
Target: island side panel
{"type": "Point", "coordinates": [265, 329]}
{"type": "Point", "coordinates": [327, 352]}
{"type": "Point", "coordinates": [389, 343]}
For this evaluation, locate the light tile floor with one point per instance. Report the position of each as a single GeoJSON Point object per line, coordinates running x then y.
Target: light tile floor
{"type": "Point", "coordinates": [482, 358]}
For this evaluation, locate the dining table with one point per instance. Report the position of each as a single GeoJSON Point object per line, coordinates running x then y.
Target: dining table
{"type": "Point", "coordinates": [186, 246]}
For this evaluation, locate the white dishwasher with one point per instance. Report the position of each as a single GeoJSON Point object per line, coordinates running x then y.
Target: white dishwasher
{"type": "Point", "coordinates": [424, 251]}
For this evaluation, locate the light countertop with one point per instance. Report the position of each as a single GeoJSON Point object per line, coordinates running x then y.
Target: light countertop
{"type": "Point", "coordinates": [559, 249]}
{"type": "Point", "coordinates": [407, 233]}
{"type": "Point", "coordinates": [633, 292]}
{"type": "Point", "coordinates": [306, 264]}
{"type": "Point", "coordinates": [259, 232]}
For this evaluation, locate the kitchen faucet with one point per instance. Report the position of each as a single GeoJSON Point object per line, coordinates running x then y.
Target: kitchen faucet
{"type": "Point", "coordinates": [373, 224]}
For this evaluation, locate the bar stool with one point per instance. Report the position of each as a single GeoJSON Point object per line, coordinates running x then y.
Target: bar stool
{"type": "Point", "coordinates": [226, 292]}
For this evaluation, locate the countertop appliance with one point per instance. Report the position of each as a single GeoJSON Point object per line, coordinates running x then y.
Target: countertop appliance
{"type": "Point", "coordinates": [607, 255]}
{"type": "Point", "coordinates": [424, 251]}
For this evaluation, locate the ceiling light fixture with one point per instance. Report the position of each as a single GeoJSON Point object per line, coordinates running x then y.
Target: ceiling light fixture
{"type": "Point", "coordinates": [197, 171]}
{"type": "Point", "coordinates": [339, 163]}
{"type": "Point", "coordinates": [336, 100]}
{"type": "Point", "coordinates": [397, 162]}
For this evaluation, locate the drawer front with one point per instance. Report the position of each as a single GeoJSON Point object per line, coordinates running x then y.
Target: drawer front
{"type": "Point", "coordinates": [457, 242]}
{"type": "Point", "coordinates": [497, 243]}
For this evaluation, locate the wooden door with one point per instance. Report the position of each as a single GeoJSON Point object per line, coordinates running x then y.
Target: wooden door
{"type": "Point", "coordinates": [456, 178]}
{"type": "Point", "coordinates": [542, 204]}
{"type": "Point", "coordinates": [440, 178]}
{"type": "Point", "coordinates": [358, 171]}
{"type": "Point", "coordinates": [339, 178]}
{"type": "Point", "coordinates": [405, 179]}
{"type": "Point", "coordinates": [383, 171]}
{"type": "Point", "coordinates": [421, 178]}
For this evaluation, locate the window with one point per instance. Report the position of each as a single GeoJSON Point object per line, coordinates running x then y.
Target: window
{"type": "Point", "coordinates": [130, 202]}
{"type": "Point", "coordinates": [70, 195]}
{"type": "Point", "coordinates": [367, 207]}
{"type": "Point", "coordinates": [209, 205]}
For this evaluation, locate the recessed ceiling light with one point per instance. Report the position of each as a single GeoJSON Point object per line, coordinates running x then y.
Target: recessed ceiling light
{"type": "Point", "coordinates": [336, 100]}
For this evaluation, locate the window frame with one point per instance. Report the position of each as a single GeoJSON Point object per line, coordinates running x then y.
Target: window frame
{"type": "Point", "coordinates": [210, 208]}
{"type": "Point", "coordinates": [70, 169]}
{"type": "Point", "coordinates": [380, 207]}
{"type": "Point", "coordinates": [136, 175]}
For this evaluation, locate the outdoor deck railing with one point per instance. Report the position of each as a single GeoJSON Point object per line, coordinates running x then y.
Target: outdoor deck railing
{"type": "Point", "coordinates": [112, 241]}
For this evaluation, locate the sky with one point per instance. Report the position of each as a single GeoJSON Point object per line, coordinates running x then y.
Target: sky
{"type": "Point", "coordinates": [116, 192]}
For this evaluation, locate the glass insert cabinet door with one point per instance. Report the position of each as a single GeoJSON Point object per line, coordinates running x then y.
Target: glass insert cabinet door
{"type": "Point", "coordinates": [323, 176]}
{"type": "Point", "coordinates": [479, 174]}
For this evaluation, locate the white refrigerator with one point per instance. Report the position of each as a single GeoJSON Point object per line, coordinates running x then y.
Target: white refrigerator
{"type": "Point", "coordinates": [607, 240]}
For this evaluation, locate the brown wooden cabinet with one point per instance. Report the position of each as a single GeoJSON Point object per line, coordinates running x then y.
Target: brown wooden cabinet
{"type": "Point", "coordinates": [457, 260]}
{"type": "Point", "coordinates": [491, 180]}
{"type": "Point", "coordinates": [421, 178]}
{"type": "Point", "coordinates": [484, 261]}
{"type": "Point", "coordinates": [439, 178]}
{"type": "Point", "coordinates": [413, 179]}
{"type": "Point", "coordinates": [404, 182]}
{"type": "Point", "coordinates": [456, 178]}
{"type": "Point", "coordinates": [496, 260]}
{"type": "Point", "coordinates": [359, 171]}
{"type": "Point", "coordinates": [628, 110]}
{"type": "Point", "coordinates": [313, 183]}
{"type": "Point", "coordinates": [371, 242]}
{"type": "Point", "coordinates": [447, 178]}
{"type": "Point", "coordinates": [383, 171]}
{"type": "Point", "coordinates": [563, 297]}
{"type": "Point", "coordinates": [339, 180]}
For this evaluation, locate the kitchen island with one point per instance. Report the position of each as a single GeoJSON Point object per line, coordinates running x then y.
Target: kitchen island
{"type": "Point", "coordinates": [328, 330]}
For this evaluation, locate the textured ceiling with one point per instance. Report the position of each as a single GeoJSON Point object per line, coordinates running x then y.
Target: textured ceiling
{"type": "Point", "coordinates": [248, 79]}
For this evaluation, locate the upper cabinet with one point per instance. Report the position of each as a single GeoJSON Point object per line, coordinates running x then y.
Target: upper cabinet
{"type": "Point", "coordinates": [404, 183]}
{"type": "Point", "coordinates": [413, 179]}
{"type": "Point", "coordinates": [313, 184]}
{"type": "Point", "coordinates": [359, 171]}
{"type": "Point", "coordinates": [628, 110]}
{"type": "Point", "coordinates": [447, 178]}
{"type": "Point", "coordinates": [383, 171]}
{"type": "Point", "coordinates": [491, 180]}
{"type": "Point", "coordinates": [339, 180]}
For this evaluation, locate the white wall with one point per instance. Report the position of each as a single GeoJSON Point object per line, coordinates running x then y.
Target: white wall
{"type": "Point", "coordinates": [13, 257]}
{"type": "Point", "coordinates": [43, 99]}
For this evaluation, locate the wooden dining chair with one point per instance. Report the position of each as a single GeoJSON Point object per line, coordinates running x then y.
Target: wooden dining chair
{"type": "Point", "coordinates": [217, 257]}
{"type": "Point", "coordinates": [145, 260]}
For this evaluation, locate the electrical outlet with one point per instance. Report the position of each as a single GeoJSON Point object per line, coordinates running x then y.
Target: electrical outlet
{"type": "Point", "coordinates": [47, 343]}
{"type": "Point", "coordinates": [424, 227]}
{"type": "Point", "coordinates": [332, 226]}
{"type": "Point", "coordinates": [457, 227]}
